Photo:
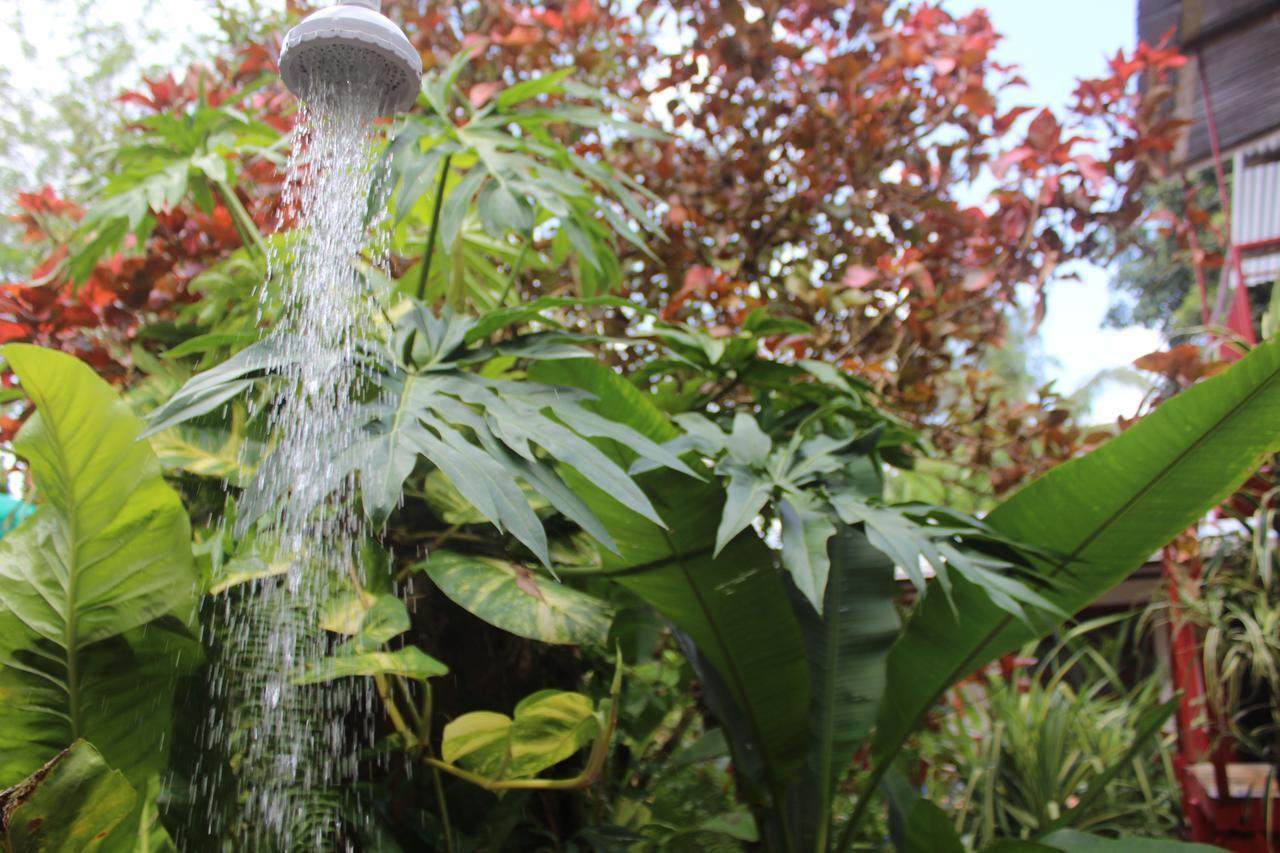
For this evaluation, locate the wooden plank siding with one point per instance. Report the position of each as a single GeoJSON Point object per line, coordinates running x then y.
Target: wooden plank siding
{"type": "Point", "coordinates": [1238, 44]}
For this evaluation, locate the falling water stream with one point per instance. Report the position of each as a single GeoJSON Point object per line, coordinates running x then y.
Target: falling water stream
{"type": "Point", "coordinates": [289, 744]}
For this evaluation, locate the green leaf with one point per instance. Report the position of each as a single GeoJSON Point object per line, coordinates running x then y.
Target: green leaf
{"type": "Point", "coordinates": [733, 607]}
{"type": "Point", "coordinates": [202, 344]}
{"type": "Point", "coordinates": [748, 443]}
{"type": "Point", "coordinates": [487, 436]}
{"type": "Point", "coordinates": [745, 497]}
{"type": "Point", "coordinates": [447, 502]}
{"type": "Point", "coordinates": [510, 597]}
{"type": "Point", "coordinates": [1071, 841]}
{"type": "Point", "coordinates": [389, 454]}
{"type": "Point", "coordinates": [1146, 727]}
{"type": "Point", "coordinates": [72, 803]}
{"type": "Point", "coordinates": [107, 552]}
{"type": "Point", "coordinates": [369, 620]}
{"type": "Point", "coordinates": [421, 172]}
{"type": "Point", "coordinates": [478, 742]}
{"type": "Point", "coordinates": [484, 482]}
{"type": "Point", "coordinates": [806, 529]}
{"type": "Point", "coordinates": [343, 614]}
{"type": "Point", "coordinates": [249, 566]}
{"type": "Point", "coordinates": [541, 310]}
{"type": "Point", "coordinates": [847, 648]}
{"type": "Point", "coordinates": [220, 453]}
{"type": "Point", "coordinates": [500, 209]}
{"type": "Point", "coordinates": [740, 826]}
{"type": "Point", "coordinates": [409, 662]}
{"type": "Point", "coordinates": [611, 394]}
{"type": "Point", "coordinates": [455, 207]}
{"type": "Point", "coordinates": [548, 727]}
{"type": "Point", "coordinates": [207, 391]}
{"type": "Point", "coordinates": [910, 536]}
{"type": "Point", "coordinates": [528, 89]}
{"type": "Point", "coordinates": [1102, 515]}
{"type": "Point", "coordinates": [929, 830]}
{"type": "Point", "coordinates": [386, 619]}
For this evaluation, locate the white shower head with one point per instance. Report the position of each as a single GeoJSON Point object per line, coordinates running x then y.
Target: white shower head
{"type": "Point", "coordinates": [352, 47]}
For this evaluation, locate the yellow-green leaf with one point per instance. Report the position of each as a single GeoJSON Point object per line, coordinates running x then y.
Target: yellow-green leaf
{"type": "Point", "coordinates": [549, 726]}
{"type": "Point", "coordinates": [514, 598]}
{"type": "Point", "coordinates": [410, 662]}
{"type": "Point", "coordinates": [343, 614]}
{"type": "Point", "coordinates": [478, 742]}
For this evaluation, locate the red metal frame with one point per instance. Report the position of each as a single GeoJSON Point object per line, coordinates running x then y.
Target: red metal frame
{"type": "Point", "coordinates": [1213, 814]}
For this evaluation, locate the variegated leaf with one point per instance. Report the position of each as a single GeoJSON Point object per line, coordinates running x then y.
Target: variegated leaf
{"type": "Point", "coordinates": [549, 726]}
{"type": "Point", "coordinates": [511, 597]}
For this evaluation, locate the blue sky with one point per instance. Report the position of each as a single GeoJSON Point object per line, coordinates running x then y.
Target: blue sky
{"type": "Point", "coordinates": [1054, 44]}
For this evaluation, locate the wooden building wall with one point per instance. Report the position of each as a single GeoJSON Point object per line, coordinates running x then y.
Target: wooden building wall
{"type": "Point", "coordinates": [1237, 43]}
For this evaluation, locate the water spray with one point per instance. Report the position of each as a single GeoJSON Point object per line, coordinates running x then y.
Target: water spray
{"type": "Point", "coordinates": [348, 64]}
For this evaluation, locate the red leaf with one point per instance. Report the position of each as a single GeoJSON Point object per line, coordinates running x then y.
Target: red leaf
{"type": "Point", "coordinates": [549, 18]}
{"type": "Point", "coordinates": [697, 280]}
{"type": "Point", "coordinates": [1007, 160]}
{"type": "Point", "coordinates": [520, 37]}
{"type": "Point", "coordinates": [1004, 122]}
{"type": "Point", "coordinates": [482, 92]}
{"type": "Point", "coordinates": [1092, 171]}
{"type": "Point", "coordinates": [581, 12]}
{"type": "Point", "coordinates": [943, 65]}
{"type": "Point", "coordinates": [979, 280]}
{"type": "Point", "coordinates": [857, 277]}
{"type": "Point", "coordinates": [10, 332]}
{"type": "Point", "coordinates": [1044, 131]}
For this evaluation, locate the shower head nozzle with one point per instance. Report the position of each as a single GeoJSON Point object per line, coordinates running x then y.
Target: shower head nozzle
{"type": "Point", "coordinates": [352, 47]}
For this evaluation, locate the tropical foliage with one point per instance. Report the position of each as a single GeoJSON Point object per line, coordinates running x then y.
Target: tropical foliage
{"type": "Point", "coordinates": [632, 578]}
{"type": "Point", "coordinates": [1067, 742]}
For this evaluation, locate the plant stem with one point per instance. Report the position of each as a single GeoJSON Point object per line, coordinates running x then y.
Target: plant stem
{"type": "Point", "coordinates": [435, 227]}
{"type": "Point", "coordinates": [405, 693]}
{"type": "Point", "coordinates": [249, 232]}
{"type": "Point", "coordinates": [424, 743]}
{"type": "Point", "coordinates": [380, 681]}
{"type": "Point", "coordinates": [388, 702]}
{"type": "Point", "coordinates": [515, 272]}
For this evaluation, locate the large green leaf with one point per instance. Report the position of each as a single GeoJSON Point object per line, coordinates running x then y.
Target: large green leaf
{"type": "Point", "coordinates": [848, 647]}
{"type": "Point", "coordinates": [71, 803]}
{"type": "Point", "coordinates": [734, 607]}
{"type": "Point", "coordinates": [108, 551]}
{"type": "Point", "coordinates": [511, 597]}
{"type": "Point", "coordinates": [1102, 516]}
